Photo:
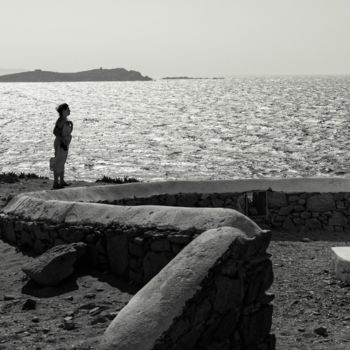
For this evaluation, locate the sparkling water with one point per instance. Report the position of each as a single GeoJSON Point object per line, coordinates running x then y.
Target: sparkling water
{"type": "Point", "coordinates": [246, 127]}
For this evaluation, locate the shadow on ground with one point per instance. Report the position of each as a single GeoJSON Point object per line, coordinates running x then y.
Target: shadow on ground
{"type": "Point", "coordinates": [327, 236]}
{"type": "Point", "coordinates": [70, 284]}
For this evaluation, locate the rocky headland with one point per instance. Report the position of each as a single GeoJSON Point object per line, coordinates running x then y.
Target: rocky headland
{"type": "Point", "coordinates": [38, 75]}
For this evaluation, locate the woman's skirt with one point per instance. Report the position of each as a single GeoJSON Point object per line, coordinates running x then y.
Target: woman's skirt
{"type": "Point", "coordinates": [60, 157]}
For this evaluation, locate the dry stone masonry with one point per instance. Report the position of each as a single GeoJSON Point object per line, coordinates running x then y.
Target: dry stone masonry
{"type": "Point", "coordinates": [201, 264]}
{"type": "Point", "coordinates": [310, 211]}
{"type": "Point", "coordinates": [210, 296]}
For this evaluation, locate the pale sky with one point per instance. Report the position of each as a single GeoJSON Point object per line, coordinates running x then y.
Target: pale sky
{"type": "Point", "coordinates": [177, 37]}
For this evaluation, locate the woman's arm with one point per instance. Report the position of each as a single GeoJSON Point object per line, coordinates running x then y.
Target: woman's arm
{"type": "Point", "coordinates": [66, 135]}
{"type": "Point", "coordinates": [71, 125]}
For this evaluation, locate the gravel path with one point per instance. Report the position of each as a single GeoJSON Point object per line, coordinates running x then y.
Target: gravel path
{"type": "Point", "coordinates": [307, 297]}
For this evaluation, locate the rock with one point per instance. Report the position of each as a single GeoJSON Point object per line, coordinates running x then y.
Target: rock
{"type": "Point", "coordinates": [55, 265]}
{"type": "Point", "coordinates": [299, 208]}
{"type": "Point", "coordinates": [338, 219]}
{"type": "Point", "coordinates": [179, 239]}
{"type": "Point", "coordinates": [70, 313]}
{"type": "Point", "coordinates": [95, 311]}
{"type": "Point", "coordinates": [160, 245]}
{"type": "Point", "coordinates": [340, 204]}
{"type": "Point", "coordinates": [29, 304]}
{"type": "Point", "coordinates": [111, 315]}
{"type": "Point", "coordinates": [305, 215]}
{"type": "Point", "coordinates": [139, 240]}
{"type": "Point", "coordinates": [90, 296]}
{"type": "Point", "coordinates": [305, 239]}
{"type": "Point", "coordinates": [68, 323]}
{"type": "Point", "coordinates": [285, 210]}
{"type": "Point", "coordinates": [91, 238]}
{"type": "Point", "coordinates": [74, 234]}
{"type": "Point", "coordinates": [8, 297]}
{"type": "Point", "coordinates": [321, 202]}
{"type": "Point", "coordinates": [88, 306]}
{"type": "Point", "coordinates": [321, 331]}
{"type": "Point", "coordinates": [188, 200]}
{"type": "Point", "coordinates": [229, 293]}
{"type": "Point", "coordinates": [278, 218]}
{"type": "Point", "coordinates": [313, 224]}
{"type": "Point", "coordinates": [293, 198]}
{"type": "Point", "coordinates": [298, 221]}
{"type": "Point", "coordinates": [35, 319]}
{"type": "Point", "coordinates": [99, 319]}
{"type": "Point", "coordinates": [288, 224]}
{"type": "Point", "coordinates": [276, 199]}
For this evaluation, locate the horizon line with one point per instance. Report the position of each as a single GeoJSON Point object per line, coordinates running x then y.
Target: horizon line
{"type": "Point", "coordinates": [21, 70]}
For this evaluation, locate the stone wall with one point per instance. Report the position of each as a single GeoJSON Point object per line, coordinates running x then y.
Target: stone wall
{"type": "Point", "coordinates": [204, 268]}
{"type": "Point", "coordinates": [201, 200]}
{"type": "Point", "coordinates": [135, 242]}
{"type": "Point", "coordinates": [135, 252]}
{"type": "Point", "coordinates": [309, 211]}
{"type": "Point", "coordinates": [291, 211]}
{"type": "Point", "coordinates": [210, 296]}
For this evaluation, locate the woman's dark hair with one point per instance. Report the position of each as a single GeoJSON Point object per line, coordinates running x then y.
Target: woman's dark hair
{"type": "Point", "coordinates": [61, 108]}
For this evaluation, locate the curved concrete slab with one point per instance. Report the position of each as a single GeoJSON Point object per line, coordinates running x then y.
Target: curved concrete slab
{"type": "Point", "coordinates": [142, 190]}
{"type": "Point", "coordinates": [341, 260]}
{"type": "Point", "coordinates": [152, 310]}
{"type": "Point", "coordinates": [180, 218]}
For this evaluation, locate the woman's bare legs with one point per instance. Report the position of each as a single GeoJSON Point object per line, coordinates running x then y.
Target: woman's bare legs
{"type": "Point", "coordinates": [62, 178]}
{"type": "Point", "coordinates": [55, 179]}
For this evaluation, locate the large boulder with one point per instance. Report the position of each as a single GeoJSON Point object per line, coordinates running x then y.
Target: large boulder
{"type": "Point", "coordinates": [56, 264]}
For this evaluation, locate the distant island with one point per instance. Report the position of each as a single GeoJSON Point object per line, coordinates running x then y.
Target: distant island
{"type": "Point", "coordinates": [38, 75]}
{"type": "Point", "coordinates": [170, 78]}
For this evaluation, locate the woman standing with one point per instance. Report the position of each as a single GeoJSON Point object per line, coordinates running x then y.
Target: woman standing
{"type": "Point", "coordinates": [62, 131]}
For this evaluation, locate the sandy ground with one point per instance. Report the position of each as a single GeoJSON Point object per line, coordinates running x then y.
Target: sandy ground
{"type": "Point", "coordinates": [307, 297]}
{"type": "Point", "coordinates": [43, 327]}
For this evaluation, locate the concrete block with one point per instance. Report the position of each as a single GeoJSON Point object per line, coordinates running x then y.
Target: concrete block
{"type": "Point", "coordinates": [341, 263]}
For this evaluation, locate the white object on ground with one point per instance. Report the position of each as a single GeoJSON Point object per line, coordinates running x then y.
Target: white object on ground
{"type": "Point", "coordinates": [341, 263]}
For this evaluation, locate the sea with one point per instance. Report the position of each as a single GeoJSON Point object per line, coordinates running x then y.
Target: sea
{"type": "Point", "coordinates": [191, 129]}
